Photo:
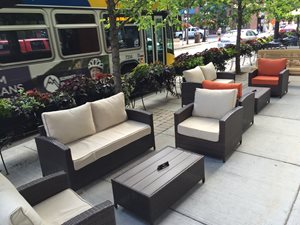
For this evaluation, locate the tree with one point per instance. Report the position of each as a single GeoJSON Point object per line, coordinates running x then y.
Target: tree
{"type": "Point", "coordinates": [279, 9]}
{"type": "Point", "coordinates": [139, 11]}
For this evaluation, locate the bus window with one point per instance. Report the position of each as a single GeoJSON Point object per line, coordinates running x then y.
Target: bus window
{"type": "Point", "coordinates": [16, 46]}
{"type": "Point", "coordinates": [129, 37]}
{"type": "Point", "coordinates": [21, 19]}
{"type": "Point", "coordinates": [77, 33]}
{"type": "Point", "coordinates": [78, 41]}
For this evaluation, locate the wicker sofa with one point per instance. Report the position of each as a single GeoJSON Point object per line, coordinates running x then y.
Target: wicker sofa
{"type": "Point", "coordinates": [49, 200]}
{"type": "Point", "coordinates": [89, 141]}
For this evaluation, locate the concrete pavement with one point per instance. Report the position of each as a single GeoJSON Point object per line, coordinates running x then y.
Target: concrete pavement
{"type": "Point", "coordinates": [258, 185]}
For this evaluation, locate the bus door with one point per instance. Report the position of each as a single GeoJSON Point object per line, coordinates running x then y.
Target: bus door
{"type": "Point", "coordinates": [155, 43]}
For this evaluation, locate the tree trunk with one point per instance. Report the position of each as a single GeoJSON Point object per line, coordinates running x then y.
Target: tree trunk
{"type": "Point", "coordinates": [238, 38]}
{"type": "Point", "coordinates": [111, 8]}
{"type": "Point", "coordinates": [276, 30]}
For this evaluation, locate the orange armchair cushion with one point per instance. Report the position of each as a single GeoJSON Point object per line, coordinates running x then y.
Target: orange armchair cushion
{"type": "Point", "coordinates": [271, 67]}
{"type": "Point", "coordinates": [208, 84]}
{"type": "Point", "coordinates": [266, 80]}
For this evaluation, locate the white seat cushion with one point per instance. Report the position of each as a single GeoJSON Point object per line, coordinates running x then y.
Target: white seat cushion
{"type": "Point", "coordinates": [14, 209]}
{"type": "Point", "coordinates": [225, 81]}
{"type": "Point", "coordinates": [209, 71]}
{"type": "Point", "coordinates": [61, 207]}
{"type": "Point", "coordinates": [69, 125]}
{"type": "Point", "coordinates": [109, 112]}
{"type": "Point", "coordinates": [200, 127]}
{"type": "Point", "coordinates": [214, 103]}
{"type": "Point", "coordinates": [194, 75]}
{"type": "Point", "coordinates": [89, 149]}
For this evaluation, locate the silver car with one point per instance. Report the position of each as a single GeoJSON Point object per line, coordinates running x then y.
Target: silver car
{"type": "Point", "coordinates": [230, 37]}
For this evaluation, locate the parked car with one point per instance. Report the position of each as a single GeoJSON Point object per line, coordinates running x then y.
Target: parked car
{"type": "Point", "coordinates": [288, 28]}
{"type": "Point", "coordinates": [191, 32]}
{"type": "Point", "coordinates": [230, 37]}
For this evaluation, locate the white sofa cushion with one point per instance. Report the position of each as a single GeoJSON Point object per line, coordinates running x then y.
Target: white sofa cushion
{"type": "Point", "coordinates": [61, 207]}
{"type": "Point", "coordinates": [194, 75]}
{"type": "Point", "coordinates": [89, 149]}
{"type": "Point", "coordinates": [69, 125]}
{"type": "Point", "coordinates": [225, 81]}
{"type": "Point", "coordinates": [209, 71]}
{"type": "Point", "coordinates": [109, 112]}
{"type": "Point", "coordinates": [16, 210]}
{"type": "Point", "coordinates": [200, 127]}
{"type": "Point", "coordinates": [214, 103]}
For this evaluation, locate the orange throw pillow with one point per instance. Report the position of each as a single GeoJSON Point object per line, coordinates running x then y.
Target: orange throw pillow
{"type": "Point", "coordinates": [271, 67]}
{"type": "Point", "coordinates": [208, 84]}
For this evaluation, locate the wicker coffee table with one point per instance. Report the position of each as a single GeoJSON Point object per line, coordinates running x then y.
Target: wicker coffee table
{"type": "Point", "coordinates": [148, 192]}
{"type": "Point", "coordinates": [262, 96]}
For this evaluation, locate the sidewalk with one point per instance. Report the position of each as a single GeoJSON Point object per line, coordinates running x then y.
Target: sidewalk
{"type": "Point", "coordinates": [180, 44]}
{"type": "Point", "coordinates": [258, 185]}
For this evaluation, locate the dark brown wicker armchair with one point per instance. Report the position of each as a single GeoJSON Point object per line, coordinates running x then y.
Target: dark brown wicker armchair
{"type": "Point", "coordinates": [46, 187]}
{"type": "Point", "coordinates": [188, 88]}
{"type": "Point", "coordinates": [230, 134]}
{"type": "Point", "coordinates": [276, 90]}
{"type": "Point", "coordinates": [55, 156]}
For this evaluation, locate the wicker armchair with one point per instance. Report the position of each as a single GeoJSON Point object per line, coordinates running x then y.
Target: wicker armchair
{"type": "Point", "coordinates": [271, 73]}
{"type": "Point", "coordinates": [44, 201]}
{"type": "Point", "coordinates": [276, 90]}
{"type": "Point", "coordinates": [219, 144]}
{"type": "Point", "coordinates": [188, 88]}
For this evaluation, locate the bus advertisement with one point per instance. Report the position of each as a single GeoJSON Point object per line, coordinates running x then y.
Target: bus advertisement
{"type": "Point", "coordinates": [43, 43]}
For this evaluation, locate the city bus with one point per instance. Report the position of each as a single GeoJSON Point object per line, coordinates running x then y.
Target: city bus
{"type": "Point", "coordinates": [43, 43]}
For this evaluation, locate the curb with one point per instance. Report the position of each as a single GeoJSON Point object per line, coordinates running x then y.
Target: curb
{"type": "Point", "coordinates": [191, 45]}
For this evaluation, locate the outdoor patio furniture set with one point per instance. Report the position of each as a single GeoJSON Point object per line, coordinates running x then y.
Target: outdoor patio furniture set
{"type": "Point", "coordinates": [80, 145]}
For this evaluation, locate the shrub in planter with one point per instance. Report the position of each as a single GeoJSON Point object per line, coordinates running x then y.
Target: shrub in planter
{"type": "Point", "coordinates": [229, 51]}
{"type": "Point", "coordinates": [84, 89]}
{"type": "Point", "coordinates": [216, 56]}
{"type": "Point", "coordinates": [246, 50]}
{"type": "Point", "coordinates": [186, 61]}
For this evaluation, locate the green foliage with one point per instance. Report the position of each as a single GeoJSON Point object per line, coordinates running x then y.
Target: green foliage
{"type": "Point", "coordinates": [6, 108]}
{"type": "Point", "coordinates": [215, 55]}
{"type": "Point", "coordinates": [185, 61]}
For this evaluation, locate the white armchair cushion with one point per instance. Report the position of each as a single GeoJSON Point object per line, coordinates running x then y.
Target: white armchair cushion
{"type": "Point", "coordinates": [16, 210]}
{"type": "Point", "coordinates": [200, 127]}
{"type": "Point", "coordinates": [61, 207]}
{"type": "Point", "coordinates": [69, 125]}
{"type": "Point", "coordinates": [194, 75]}
{"type": "Point", "coordinates": [209, 71]}
{"type": "Point", "coordinates": [224, 81]}
{"type": "Point", "coordinates": [109, 112]}
{"type": "Point", "coordinates": [214, 103]}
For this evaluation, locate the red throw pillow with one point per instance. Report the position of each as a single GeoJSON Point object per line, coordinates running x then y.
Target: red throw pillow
{"type": "Point", "coordinates": [271, 67]}
{"type": "Point", "coordinates": [208, 84]}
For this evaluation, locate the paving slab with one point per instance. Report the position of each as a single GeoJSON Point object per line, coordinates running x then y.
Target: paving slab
{"type": "Point", "coordinates": [274, 138]}
{"type": "Point", "coordinates": [245, 190]}
{"type": "Point", "coordinates": [294, 218]}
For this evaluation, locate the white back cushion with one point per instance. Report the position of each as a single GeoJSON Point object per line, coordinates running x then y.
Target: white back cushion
{"type": "Point", "coordinates": [109, 112]}
{"type": "Point", "coordinates": [14, 209]}
{"type": "Point", "coordinates": [214, 103]}
{"type": "Point", "coordinates": [69, 125]}
{"type": "Point", "coordinates": [209, 71]}
{"type": "Point", "coordinates": [194, 75]}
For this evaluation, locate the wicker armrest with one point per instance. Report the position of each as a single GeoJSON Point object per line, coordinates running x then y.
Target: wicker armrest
{"type": "Point", "coordinates": [102, 214]}
{"type": "Point", "coordinates": [43, 188]}
{"type": "Point", "coordinates": [140, 116]}
{"type": "Point", "coordinates": [188, 92]}
{"type": "Point", "coordinates": [251, 75]}
{"type": "Point", "coordinates": [284, 75]}
{"type": "Point", "coordinates": [247, 99]}
{"type": "Point", "coordinates": [231, 124]}
{"type": "Point", "coordinates": [226, 75]}
{"type": "Point", "coordinates": [183, 114]}
{"type": "Point", "coordinates": [54, 156]}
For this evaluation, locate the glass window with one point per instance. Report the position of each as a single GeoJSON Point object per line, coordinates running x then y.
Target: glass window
{"type": "Point", "coordinates": [129, 37]}
{"type": "Point", "coordinates": [16, 46]}
{"type": "Point", "coordinates": [74, 18]}
{"type": "Point", "coordinates": [78, 40]}
{"type": "Point", "coordinates": [170, 44]}
{"type": "Point", "coordinates": [21, 19]}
